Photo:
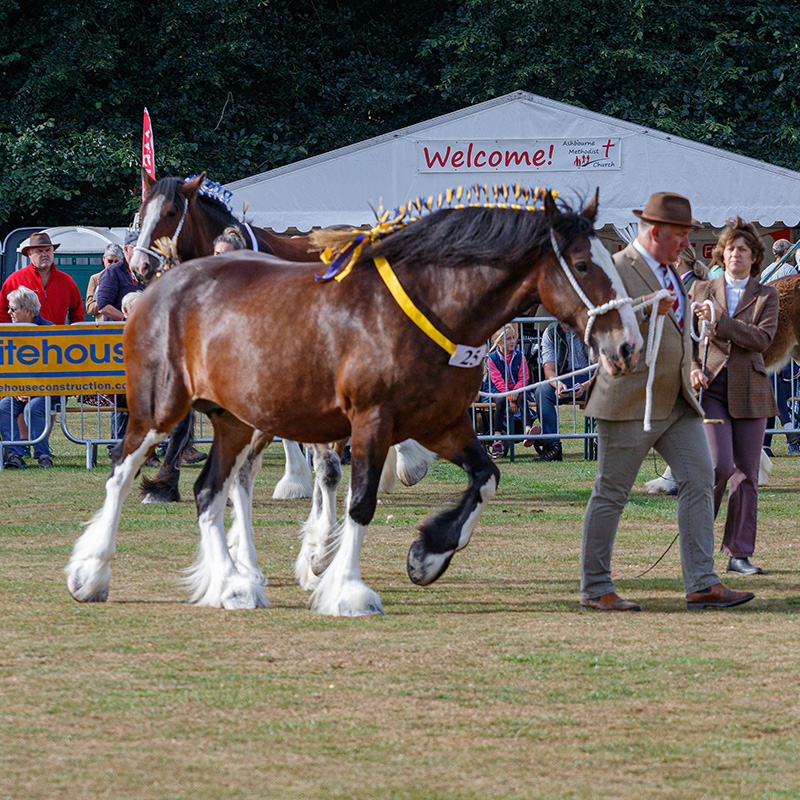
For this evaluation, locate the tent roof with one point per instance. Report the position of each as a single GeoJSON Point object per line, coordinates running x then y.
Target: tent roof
{"type": "Point", "coordinates": [340, 187]}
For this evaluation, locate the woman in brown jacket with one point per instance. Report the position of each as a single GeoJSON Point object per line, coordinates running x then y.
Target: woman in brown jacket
{"type": "Point", "coordinates": [736, 388]}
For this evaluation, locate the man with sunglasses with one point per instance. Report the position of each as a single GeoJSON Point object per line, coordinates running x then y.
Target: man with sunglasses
{"type": "Point", "coordinates": [58, 294]}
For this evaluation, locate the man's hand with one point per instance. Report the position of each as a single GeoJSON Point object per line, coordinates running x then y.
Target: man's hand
{"type": "Point", "coordinates": [664, 305]}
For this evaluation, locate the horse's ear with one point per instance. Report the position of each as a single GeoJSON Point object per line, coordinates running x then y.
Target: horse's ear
{"type": "Point", "coordinates": [590, 211]}
{"type": "Point", "coordinates": [148, 180]}
{"type": "Point", "coordinates": [551, 212]}
{"type": "Point", "coordinates": [190, 188]}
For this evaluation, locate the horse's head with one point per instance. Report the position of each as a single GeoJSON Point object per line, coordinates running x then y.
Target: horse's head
{"type": "Point", "coordinates": [163, 215]}
{"type": "Point", "coordinates": [585, 286]}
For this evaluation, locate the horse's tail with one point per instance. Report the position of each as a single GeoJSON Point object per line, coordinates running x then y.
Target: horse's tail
{"type": "Point", "coordinates": [164, 487]}
{"type": "Point", "coordinates": [336, 238]}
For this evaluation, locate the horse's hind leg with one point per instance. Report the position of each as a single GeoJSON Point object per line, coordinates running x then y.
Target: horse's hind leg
{"type": "Point", "coordinates": [441, 536]}
{"type": "Point", "coordinates": [413, 461]}
{"type": "Point", "coordinates": [318, 534]}
{"type": "Point", "coordinates": [240, 533]}
{"type": "Point", "coordinates": [214, 579]}
{"type": "Point", "coordinates": [296, 480]}
{"type": "Point", "coordinates": [340, 591]}
{"type": "Point", "coordinates": [164, 487]}
{"type": "Point", "coordinates": [88, 571]}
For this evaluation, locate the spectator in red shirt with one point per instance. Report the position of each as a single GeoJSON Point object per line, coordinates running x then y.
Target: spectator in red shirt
{"type": "Point", "coordinates": [58, 294]}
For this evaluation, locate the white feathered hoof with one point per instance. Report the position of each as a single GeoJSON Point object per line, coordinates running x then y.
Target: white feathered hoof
{"type": "Point", "coordinates": [424, 567]}
{"type": "Point", "coordinates": [306, 579]}
{"type": "Point", "coordinates": [88, 581]}
{"type": "Point", "coordinates": [290, 488]}
{"type": "Point", "coordinates": [355, 599]}
{"type": "Point", "coordinates": [244, 595]}
{"type": "Point", "coordinates": [413, 461]}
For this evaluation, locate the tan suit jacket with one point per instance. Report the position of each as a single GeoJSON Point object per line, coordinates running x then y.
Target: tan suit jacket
{"type": "Point", "coordinates": [623, 397]}
{"type": "Point", "coordinates": [91, 289]}
{"type": "Point", "coordinates": [737, 342]}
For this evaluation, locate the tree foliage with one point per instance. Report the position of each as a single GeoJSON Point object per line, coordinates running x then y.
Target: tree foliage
{"type": "Point", "coordinates": [237, 87]}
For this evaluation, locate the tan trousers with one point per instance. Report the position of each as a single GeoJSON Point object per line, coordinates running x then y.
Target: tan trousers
{"type": "Point", "coordinates": [622, 447]}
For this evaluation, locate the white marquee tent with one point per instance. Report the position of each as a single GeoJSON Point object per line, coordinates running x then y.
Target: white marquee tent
{"type": "Point", "coordinates": [527, 139]}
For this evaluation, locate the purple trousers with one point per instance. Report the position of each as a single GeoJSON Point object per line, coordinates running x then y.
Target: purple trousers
{"type": "Point", "coordinates": [736, 452]}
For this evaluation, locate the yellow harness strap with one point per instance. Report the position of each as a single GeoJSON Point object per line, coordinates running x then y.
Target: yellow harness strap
{"type": "Point", "coordinates": [407, 304]}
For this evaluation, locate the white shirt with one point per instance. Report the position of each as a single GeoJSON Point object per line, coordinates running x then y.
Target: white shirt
{"type": "Point", "coordinates": [659, 273]}
{"type": "Point", "coordinates": [734, 289]}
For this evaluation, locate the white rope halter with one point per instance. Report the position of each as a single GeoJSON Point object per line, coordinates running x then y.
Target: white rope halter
{"type": "Point", "coordinates": [594, 311]}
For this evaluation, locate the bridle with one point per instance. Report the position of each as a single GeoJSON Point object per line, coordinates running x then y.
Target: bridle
{"type": "Point", "coordinates": [594, 311]}
{"type": "Point", "coordinates": [161, 257]}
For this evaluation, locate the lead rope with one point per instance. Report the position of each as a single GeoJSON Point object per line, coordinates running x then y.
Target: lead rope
{"type": "Point", "coordinates": [653, 336]}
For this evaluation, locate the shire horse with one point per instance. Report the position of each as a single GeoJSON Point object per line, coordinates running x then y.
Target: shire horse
{"type": "Point", "coordinates": [369, 371]}
{"type": "Point", "coordinates": [187, 213]}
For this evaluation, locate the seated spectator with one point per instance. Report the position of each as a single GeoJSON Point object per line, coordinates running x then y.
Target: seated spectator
{"type": "Point", "coordinates": [128, 302]}
{"type": "Point", "coordinates": [23, 308]}
{"type": "Point", "coordinates": [789, 267]}
{"type": "Point", "coordinates": [229, 240]}
{"type": "Point", "coordinates": [561, 351]}
{"type": "Point", "coordinates": [111, 255]}
{"type": "Point", "coordinates": [506, 370]}
{"type": "Point", "coordinates": [690, 268]}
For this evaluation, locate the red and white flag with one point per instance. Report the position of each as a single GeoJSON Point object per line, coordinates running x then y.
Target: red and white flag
{"type": "Point", "coordinates": [148, 151]}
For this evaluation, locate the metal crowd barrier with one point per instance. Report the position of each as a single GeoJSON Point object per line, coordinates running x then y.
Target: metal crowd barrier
{"type": "Point", "coordinates": [572, 423]}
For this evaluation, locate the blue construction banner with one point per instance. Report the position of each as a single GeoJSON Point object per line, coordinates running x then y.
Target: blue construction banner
{"type": "Point", "coordinates": [61, 359]}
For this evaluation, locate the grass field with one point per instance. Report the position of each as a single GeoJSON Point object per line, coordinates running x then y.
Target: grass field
{"type": "Point", "coordinates": [491, 683]}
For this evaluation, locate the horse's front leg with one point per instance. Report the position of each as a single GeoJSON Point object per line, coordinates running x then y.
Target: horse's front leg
{"type": "Point", "coordinates": [214, 579]}
{"type": "Point", "coordinates": [441, 536]}
{"type": "Point", "coordinates": [88, 571]}
{"type": "Point", "coordinates": [296, 480]}
{"type": "Point", "coordinates": [341, 592]}
{"type": "Point", "coordinates": [240, 533]}
{"type": "Point", "coordinates": [319, 533]}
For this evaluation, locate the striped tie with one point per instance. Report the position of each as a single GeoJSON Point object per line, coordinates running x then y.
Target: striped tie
{"type": "Point", "coordinates": [676, 306]}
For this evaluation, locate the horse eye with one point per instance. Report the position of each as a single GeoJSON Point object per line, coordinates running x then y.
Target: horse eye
{"type": "Point", "coordinates": [171, 214]}
{"type": "Point", "coordinates": [581, 267]}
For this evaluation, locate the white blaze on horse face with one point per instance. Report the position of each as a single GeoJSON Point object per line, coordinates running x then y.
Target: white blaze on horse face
{"type": "Point", "coordinates": [602, 257]}
{"type": "Point", "coordinates": [152, 215]}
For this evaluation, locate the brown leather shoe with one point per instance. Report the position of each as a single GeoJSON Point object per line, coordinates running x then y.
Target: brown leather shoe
{"type": "Point", "coordinates": [191, 455]}
{"type": "Point", "coordinates": [717, 596]}
{"type": "Point", "coordinates": [610, 602]}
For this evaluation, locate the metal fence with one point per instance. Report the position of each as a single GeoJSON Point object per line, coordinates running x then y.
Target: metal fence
{"type": "Point", "coordinates": [94, 421]}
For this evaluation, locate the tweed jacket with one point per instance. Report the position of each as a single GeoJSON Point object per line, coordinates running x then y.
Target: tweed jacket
{"type": "Point", "coordinates": [737, 342]}
{"type": "Point", "coordinates": [622, 397]}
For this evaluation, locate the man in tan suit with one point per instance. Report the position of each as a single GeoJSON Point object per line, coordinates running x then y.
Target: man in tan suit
{"type": "Point", "coordinates": [618, 405]}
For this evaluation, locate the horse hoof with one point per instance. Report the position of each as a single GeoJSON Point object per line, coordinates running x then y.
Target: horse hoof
{"type": "Point", "coordinates": [80, 592]}
{"type": "Point", "coordinates": [246, 597]}
{"type": "Point", "coordinates": [424, 567]}
{"type": "Point", "coordinates": [353, 599]}
{"type": "Point", "coordinates": [153, 498]}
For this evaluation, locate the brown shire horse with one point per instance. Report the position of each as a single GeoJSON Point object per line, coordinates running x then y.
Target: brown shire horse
{"type": "Point", "coordinates": [786, 344]}
{"type": "Point", "coordinates": [362, 368]}
{"type": "Point", "coordinates": [177, 209]}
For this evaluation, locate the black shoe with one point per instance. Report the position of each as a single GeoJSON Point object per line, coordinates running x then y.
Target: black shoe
{"type": "Point", "coordinates": [15, 462]}
{"type": "Point", "coordinates": [743, 567]}
{"type": "Point", "coordinates": [45, 462]}
{"type": "Point", "coordinates": [552, 453]}
{"type": "Point", "coordinates": [345, 457]}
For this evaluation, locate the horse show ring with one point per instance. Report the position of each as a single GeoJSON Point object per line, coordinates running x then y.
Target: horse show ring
{"type": "Point", "coordinates": [490, 682]}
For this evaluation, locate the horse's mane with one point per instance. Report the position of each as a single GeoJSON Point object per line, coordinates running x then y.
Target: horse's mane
{"type": "Point", "coordinates": [170, 187]}
{"type": "Point", "coordinates": [460, 236]}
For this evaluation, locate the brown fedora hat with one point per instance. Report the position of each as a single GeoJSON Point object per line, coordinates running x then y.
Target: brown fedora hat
{"type": "Point", "coordinates": [38, 240]}
{"type": "Point", "coordinates": [668, 207]}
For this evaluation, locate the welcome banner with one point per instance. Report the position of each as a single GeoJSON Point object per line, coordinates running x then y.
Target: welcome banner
{"type": "Point", "coordinates": [519, 155]}
{"type": "Point", "coordinates": [61, 359]}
